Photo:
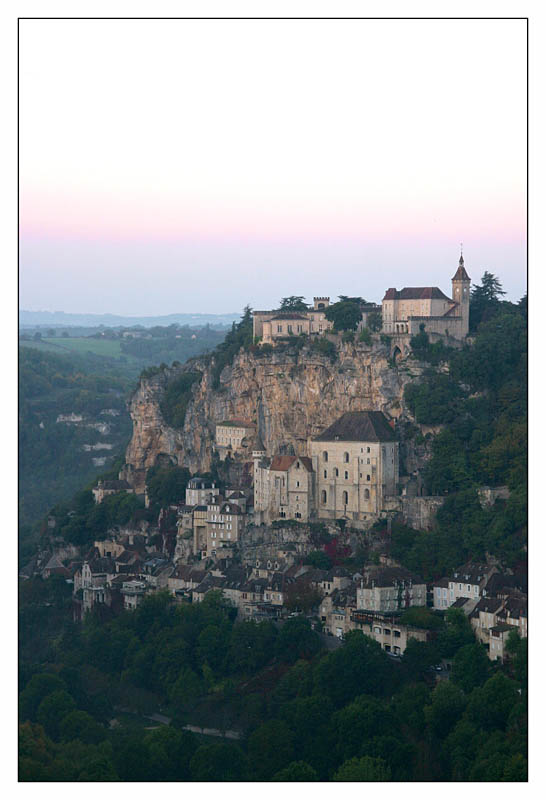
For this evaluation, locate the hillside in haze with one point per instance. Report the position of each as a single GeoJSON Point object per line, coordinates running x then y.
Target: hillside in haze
{"type": "Point", "coordinates": [30, 319]}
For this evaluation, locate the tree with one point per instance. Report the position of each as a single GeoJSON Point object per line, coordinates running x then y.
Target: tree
{"type": "Point", "coordinates": [81, 725]}
{"type": "Point", "coordinates": [38, 687]}
{"type": "Point", "coordinates": [53, 709]}
{"type": "Point", "coordinates": [318, 559]}
{"type": "Point", "coordinates": [296, 639]}
{"type": "Point", "coordinates": [293, 303]}
{"type": "Point", "coordinates": [363, 769]}
{"type": "Point", "coordinates": [446, 706]}
{"type": "Point", "coordinates": [375, 321]}
{"type": "Point", "coordinates": [471, 666]}
{"type": "Point", "coordinates": [489, 706]}
{"type": "Point", "coordinates": [270, 748]}
{"type": "Point", "coordinates": [222, 761]}
{"type": "Point", "coordinates": [345, 315]}
{"type": "Point", "coordinates": [296, 771]}
{"type": "Point", "coordinates": [484, 299]}
{"type": "Point", "coordinates": [301, 595]}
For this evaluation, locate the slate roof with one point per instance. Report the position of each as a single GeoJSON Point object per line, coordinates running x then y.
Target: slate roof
{"type": "Point", "coordinates": [283, 463]}
{"type": "Point", "coordinates": [416, 293]}
{"type": "Point", "coordinates": [115, 485]}
{"type": "Point", "coordinates": [387, 576]}
{"type": "Point", "coordinates": [359, 426]}
{"type": "Point", "coordinates": [461, 274]}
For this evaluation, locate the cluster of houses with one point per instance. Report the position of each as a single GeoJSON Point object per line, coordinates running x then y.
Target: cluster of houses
{"type": "Point", "coordinates": [351, 470]}
{"type": "Point", "coordinates": [117, 573]}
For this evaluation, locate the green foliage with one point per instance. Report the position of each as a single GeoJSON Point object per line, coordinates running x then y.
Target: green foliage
{"type": "Point", "coordinates": [293, 303]}
{"type": "Point", "coordinates": [296, 639]}
{"type": "Point", "coordinates": [446, 707]}
{"type": "Point", "coordinates": [318, 559]}
{"type": "Point", "coordinates": [296, 771]}
{"type": "Point", "coordinates": [167, 485]}
{"type": "Point", "coordinates": [424, 350]}
{"type": "Point", "coordinates": [348, 336]}
{"type": "Point", "coordinates": [363, 769]}
{"type": "Point", "coordinates": [422, 617]}
{"type": "Point", "coordinates": [471, 666]}
{"type": "Point", "coordinates": [319, 344]}
{"type": "Point", "coordinates": [365, 336]}
{"type": "Point", "coordinates": [240, 336]}
{"type": "Point", "coordinates": [222, 761]}
{"type": "Point", "coordinates": [345, 315]}
{"type": "Point", "coordinates": [177, 398]}
{"type": "Point", "coordinates": [375, 321]}
{"type": "Point", "coordinates": [484, 299]}
{"type": "Point", "coordinates": [270, 749]}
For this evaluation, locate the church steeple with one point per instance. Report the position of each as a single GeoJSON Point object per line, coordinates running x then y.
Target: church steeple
{"type": "Point", "coordinates": [460, 284]}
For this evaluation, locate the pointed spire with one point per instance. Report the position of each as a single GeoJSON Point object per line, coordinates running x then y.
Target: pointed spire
{"type": "Point", "coordinates": [461, 274]}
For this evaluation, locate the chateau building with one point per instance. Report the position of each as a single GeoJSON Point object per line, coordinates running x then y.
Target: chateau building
{"type": "Point", "coordinates": [232, 436]}
{"type": "Point", "coordinates": [283, 487]}
{"type": "Point", "coordinates": [273, 325]}
{"type": "Point", "coordinates": [355, 462]}
{"type": "Point", "coordinates": [405, 310]}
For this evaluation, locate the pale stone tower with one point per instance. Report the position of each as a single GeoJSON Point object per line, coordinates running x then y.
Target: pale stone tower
{"type": "Point", "coordinates": [460, 283]}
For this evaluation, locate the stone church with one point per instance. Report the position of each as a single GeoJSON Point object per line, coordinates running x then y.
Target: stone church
{"type": "Point", "coordinates": [405, 310]}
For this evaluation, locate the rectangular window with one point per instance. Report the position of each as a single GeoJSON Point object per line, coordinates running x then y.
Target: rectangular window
{"type": "Point", "coordinates": [279, 328]}
{"type": "Point", "coordinates": [367, 477]}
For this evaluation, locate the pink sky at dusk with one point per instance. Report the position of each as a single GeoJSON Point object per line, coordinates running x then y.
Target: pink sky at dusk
{"type": "Point", "coordinates": [197, 166]}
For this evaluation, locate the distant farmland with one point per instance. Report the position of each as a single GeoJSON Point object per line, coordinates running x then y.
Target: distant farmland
{"type": "Point", "coordinates": [81, 345]}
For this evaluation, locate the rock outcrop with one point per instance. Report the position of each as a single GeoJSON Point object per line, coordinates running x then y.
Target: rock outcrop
{"type": "Point", "coordinates": [290, 394]}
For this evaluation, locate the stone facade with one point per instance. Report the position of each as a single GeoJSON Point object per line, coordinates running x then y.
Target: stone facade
{"type": "Point", "coordinates": [283, 487]}
{"type": "Point", "coordinates": [356, 466]}
{"type": "Point", "coordinates": [404, 311]}
{"type": "Point", "coordinates": [233, 436]}
{"type": "Point", "coordinates": [388, 589]}
{"type": "Point", "coordinates": [270, 326]}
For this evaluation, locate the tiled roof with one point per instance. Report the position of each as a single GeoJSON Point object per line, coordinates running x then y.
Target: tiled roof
{"type": "Point", "coordinates": [283, 463]}
{"type": "Point", "coordinates": [387, 576]}
{"type": "Point", "coordinates": [359, 426]}
{"type": "Point", "coordinates": [416, 293]}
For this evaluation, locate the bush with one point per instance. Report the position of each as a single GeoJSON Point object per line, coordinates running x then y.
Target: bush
{"type": "Point", "coordinates": [365, 336]}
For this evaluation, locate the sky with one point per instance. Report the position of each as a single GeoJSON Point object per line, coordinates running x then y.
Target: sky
{"type": "Point", "coordinates": [196, 166]}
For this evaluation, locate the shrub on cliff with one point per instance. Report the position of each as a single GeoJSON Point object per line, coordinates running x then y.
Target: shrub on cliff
{"type": "Point", "coordinates": [177, 397]}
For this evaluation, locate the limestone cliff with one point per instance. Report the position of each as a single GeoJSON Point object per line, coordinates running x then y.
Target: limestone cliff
{"type": "Point", "coordinates": [291, 394]}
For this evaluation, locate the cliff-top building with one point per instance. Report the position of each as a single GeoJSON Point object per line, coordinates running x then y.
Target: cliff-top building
{"type": "Point", "coordinates": [272, 325]}
{"type": "Point", "coordinates": [355, 461]}
{"type": "Point", "coordinates": [405, 310]}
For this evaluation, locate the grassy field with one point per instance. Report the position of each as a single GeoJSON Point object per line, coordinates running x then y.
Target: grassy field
{"type": "Point", "coordinates": [81, 345]}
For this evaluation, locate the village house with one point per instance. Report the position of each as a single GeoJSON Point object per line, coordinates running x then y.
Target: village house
{"type": "Point", "coordinates": [225, 524]}
{"type": "Point", "coordinates": [199, 491]}
{"type": "Point", "coordinates": [355, 462]}
{"type": "Point", "coordinates": [184, 579]}
{"type": "Point", "coordinates": [271, 326]}
{"type": "Point", "coordinates": [233, 436]}
{"type": "Point", "coordinates": [106, 488]}
{"type": "Point", "coordinates": [388, 589]}
{"type": "Point", "coordinates": [283, 487]}
{"type": "Point", "coordinates": [467, 582]}
{"type": "Point", "coordinates": [405, 311]}
{"type": "Point", "coordinates": [392, 635]}
{"type": "Point", "coordinates": [133, 592]}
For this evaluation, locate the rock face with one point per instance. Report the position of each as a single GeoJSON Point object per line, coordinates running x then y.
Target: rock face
{"type": "Point", "coordinates": [291, 395]}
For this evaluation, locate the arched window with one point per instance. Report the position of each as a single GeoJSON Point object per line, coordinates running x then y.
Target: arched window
{"type": "Point", "coordinates": [325, 456]}
{"type": "Point", "coordinates": [336, 472]}
{"type": "Point", "coordinates": [366, 494]}
{"type": "Point", "coordinates": [346, 457]}
{"type": "Point", "coordinates": [346, 475]}
{"type": "Point", "coordinates": [345, 498]}
{"type": "Point", "coordinates": [323, 496]}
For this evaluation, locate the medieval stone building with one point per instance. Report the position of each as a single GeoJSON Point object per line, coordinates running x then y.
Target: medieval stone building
{"type": "Point", "coordinates": [404, 311]}
{"type": "Point", "coordinates": [355, 462]}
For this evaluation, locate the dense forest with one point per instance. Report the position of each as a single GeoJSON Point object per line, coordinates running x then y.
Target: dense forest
{"type": "Point", "coordinates": [66, 374]}
{"type": "Point", "coordinates": [302, 714]}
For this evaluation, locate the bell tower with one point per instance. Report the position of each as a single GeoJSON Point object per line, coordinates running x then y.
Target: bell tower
{"type": "Point", "coordinates": [460, 292]}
